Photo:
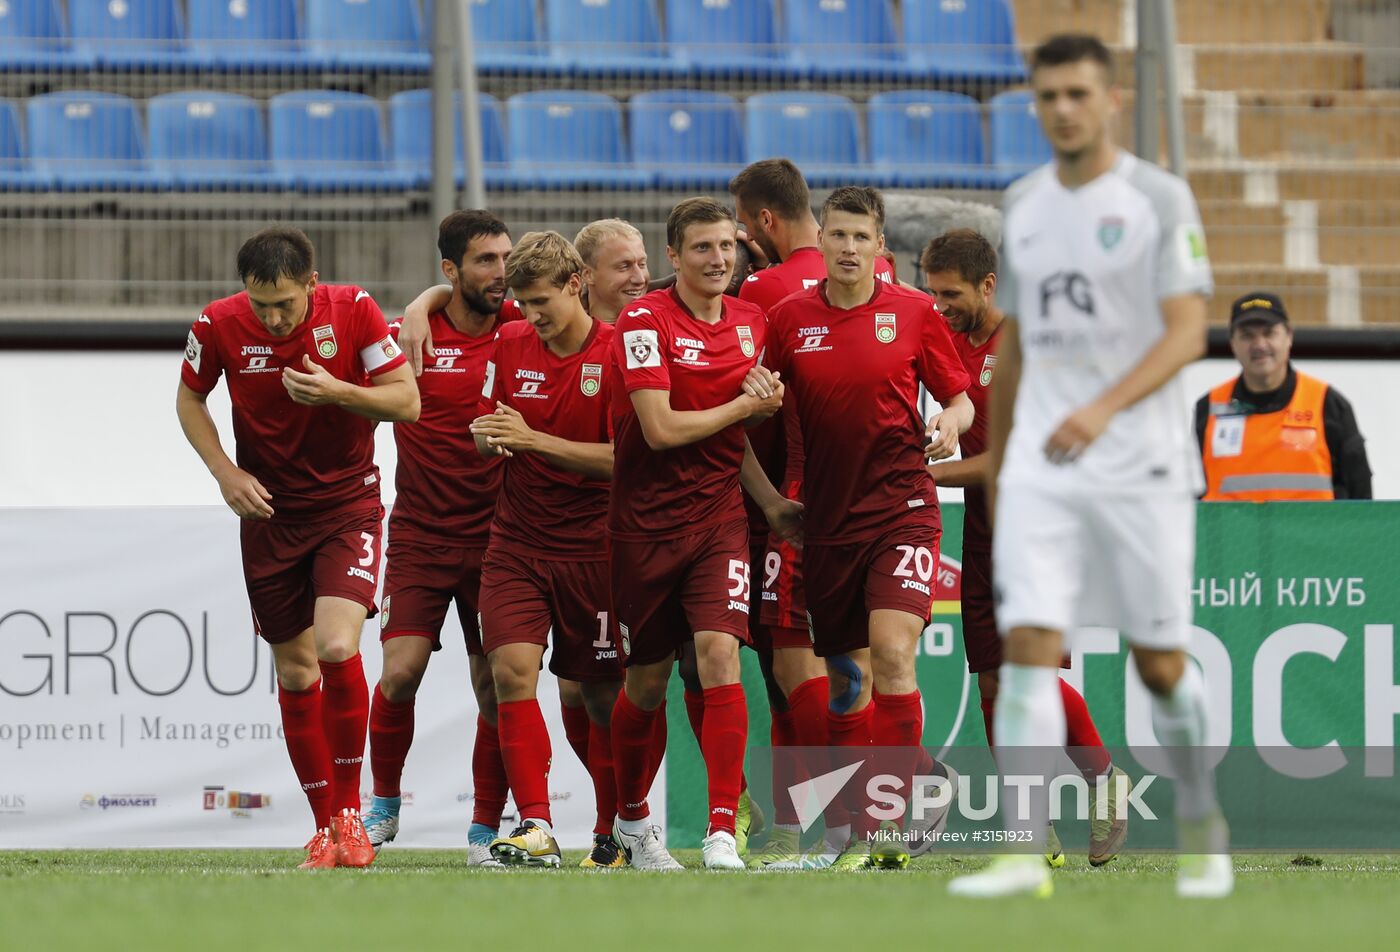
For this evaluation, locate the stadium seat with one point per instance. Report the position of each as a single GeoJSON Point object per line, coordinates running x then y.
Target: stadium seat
{"type": "Point", "coordinates": [507, 37]}
{"type": "Point", "coordinates": [818, 131]}
{"type": "Point", "coordinates": [411, 138]}
{"type": "Point", "coordinates": [851, 39]}
{"type": "Point", "coordinates": [724, 38]}
{"type": "Point", "coordinates": [244, 34]}
{"type": "Point", "coordinates": [382, 35]}
{"type": "Point", "coordinates": [129, 34]}
{"type": "Point", "coordinates": [32, 37]}
{"type": "Point", "coordinates": [1018, 144]}
{"type": "Point", "coordinates": [561, 139]}
{"type": "Point", "coordinates": [88, 141]}
{"type": "Point", "coordinates": [926, 139]}
{"type": "Point", "coordinates": [688, 139]}
{"type": "Point", "coordinates": [969, 41]}
{"type": "Point", "coordinates": [208, 140]}
{"type": "Point", "coordinates": [15, 175]}
{"type": "Point", "coordinates": [327, 140]}
{"type": "Point", "coordinates": [607, 37]}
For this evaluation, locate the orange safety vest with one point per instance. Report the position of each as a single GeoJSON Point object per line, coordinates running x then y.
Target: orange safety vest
{"type": "Point", "coordinates": [1265, 457]}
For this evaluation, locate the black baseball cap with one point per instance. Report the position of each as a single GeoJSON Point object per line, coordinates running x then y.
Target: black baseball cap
{"type": "Point", "coordinates": [1258, 307]}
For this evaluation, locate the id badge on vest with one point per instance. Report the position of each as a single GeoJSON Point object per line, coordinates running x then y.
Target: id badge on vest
{"type": "Point", "coordinates": [1227, 439]}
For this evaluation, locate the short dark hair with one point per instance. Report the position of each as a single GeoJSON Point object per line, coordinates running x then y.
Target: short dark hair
{"type": "Point", "coordinates": [962, 250]}
{"type": "Point", "coordinates": [1065, 48]}
{"type": "Point", "coordinates": [277, 252]}
{"type": "Point", "coordinates": [856, 200]}
{"type": "Point", "coordinates": [693, 211]}
{"type": "Point", "coordinates": [774, 184]}
{"type": "Point", "coordinates": [462, 227]}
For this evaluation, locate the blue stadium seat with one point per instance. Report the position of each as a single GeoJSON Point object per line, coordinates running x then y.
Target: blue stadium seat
{"type": "Point", "coordinates": [507, 37]}
{"type": "Point", "coordinates": [688, 139]}
{"type": "Point", "coordinates": [327, 140]}
{"type": "Point", "coordinates": [561, 139]}
{"type": "Point", "coordinates": [725, 38]}
{"type": "Point", "coordinates": [818, 131]}
{"type": "Point", "coordinates": [366, 34]}
{"type": "Point", "coordinates": [411, 138]}
{"type": "Point", "coordinates": [607, 37]}
{"type": "Point", "coordinates": [208, 140]}
{"type": "Point", "coordinates": [129, 34]}
{"type": "Point", "coordinates": [15, 175]}
{"type": "Point", "coordinates": [1018, 144]}
{"type": "Point", "coordinates": [244, 34]}
{"type": "Point", "coordinates": [32, 37]}
{"type": "Point", "coordinates": [927, 139]}
{"type": "Point", "coordinates": [851, 39]}
{"type": "Point", "coordinates": [962, 40]}
{"type": "Point", "coordinates": [88, 141]}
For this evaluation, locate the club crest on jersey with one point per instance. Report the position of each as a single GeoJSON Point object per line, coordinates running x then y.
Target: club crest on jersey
{"type": "Point", "coordinates": [1110, 232]}
{"type": "Point", "coordinates": [324, 336]}
{"type": "Point", "coordinates": [884, 328]}
{"type": "Point", "coordinates": [642, 349]}
{"type": "Point", "coordinates": [591, 379]}
{"type": "Point", "coordinates": [989, 364]}
{"type": "Point", "coordinates": [745, 340]}
{"type": "Point", "coordinates": [384, 614]}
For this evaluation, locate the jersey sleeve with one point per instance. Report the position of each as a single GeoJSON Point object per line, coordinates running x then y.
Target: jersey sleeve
{"type": "Point", "coordinates": [774, 357]}
{"type": "Point", "coordinates": [203, 362]}
{"type": "Point", "coordinates": [1183, 266]}
{"type": "Point", "coordinates": [638, 350]}
{"type": "Point", "coordinates": [940, 368]}
{"type": "Point", "coordinates": [491, 394]}
{"type": "Point", "coordinates": [378, 348]}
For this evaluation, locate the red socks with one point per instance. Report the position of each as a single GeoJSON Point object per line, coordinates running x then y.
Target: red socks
{"type": "Point", "coordinates": [576, 729]}
{"type": "Point", "coordinates": [526, 753]}
{"type": "Point", "coordinates": [852, 731]}
{"type": "Point", "coordinates": [804, 726]}
{"type": "Point", "coordinates": [488, 776]}
{"type": "Point", "coordinates": [306, 743]}
{"type": "Point", "coordinates": [785, 767]}
{"type": "Point", "coordinates": [633, 739]}
{"type": "Point", "coordinates": [695, 711]}
{"type": "Point", "coordinates": [658, 744]}
{"type": "Point", "coordinates": [600, 766]}
{"type": "Point", "coordinates": [390, 736]}
{"type": "Point", "coordinates": [345, 718]}
{"type": "Point", "coordinates": [726, 733]}
{"type": "Point", "coordinates": [1083, 743]}
{"type": "Point", "coordinates": [898, 720]}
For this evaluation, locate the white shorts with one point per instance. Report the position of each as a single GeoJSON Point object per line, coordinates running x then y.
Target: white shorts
{"type": "Point", "coordinates": [1064, 561]}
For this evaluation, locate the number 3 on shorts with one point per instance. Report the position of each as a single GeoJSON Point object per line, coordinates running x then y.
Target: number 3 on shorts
{"type": "Point", "coordinates": [922, 558]}
{"type": "Point", "coordinates": [369, 549]}
{"type": "Point", "coordinates": [739, 575]}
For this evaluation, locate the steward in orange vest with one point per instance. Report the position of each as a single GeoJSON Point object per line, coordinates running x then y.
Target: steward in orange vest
{"type": "Point", "coordinates": [1273, 433]}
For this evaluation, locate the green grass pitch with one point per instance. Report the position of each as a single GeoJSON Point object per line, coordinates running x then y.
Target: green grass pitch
{"type": "Point", "coordinates": [143, 901]}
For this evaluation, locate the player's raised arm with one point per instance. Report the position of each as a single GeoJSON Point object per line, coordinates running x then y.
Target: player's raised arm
{"type": "Point", "coordinates": [415, 335]}
{"type": "Point", "coordinates": [247, 497]}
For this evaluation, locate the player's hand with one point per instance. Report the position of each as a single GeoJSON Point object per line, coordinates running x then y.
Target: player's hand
{"type": "Point", "coordinates": [785, 519]}
{"type": "Point", "coordinates": [317, 387]}
{"type": "Point", "coordinates": [505, 430]}
{"type": "Point", "coordinates": [415, 338]}
{"type": "Point", "coordinates": [757, 259]}
{"type": "Point", "coordinates": [765, 393]}
{"type": "Point", "coordinates": [247, 497]}
{"type": "Point", "coordinates": [1073, 436]}
{"type": "Point", "coordinates": [942, 440]}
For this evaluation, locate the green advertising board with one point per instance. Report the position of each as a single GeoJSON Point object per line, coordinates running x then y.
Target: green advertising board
{"type": "Point", "coordinates": [1296, 609]}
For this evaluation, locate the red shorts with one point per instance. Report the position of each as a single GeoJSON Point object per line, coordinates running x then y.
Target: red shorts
{"type": "Point", "coordinates": [523, 599]}
{"type": "Point", "coordinates": [424, 576]}
{"type": "Point", "coordinates": [847, 582]}
{"type": "Point", "coordinates": [981, 640]}
{"type": "Point", "coordinates": [288, 565]}
{"type": "Point", "coordinates": [665, 590]}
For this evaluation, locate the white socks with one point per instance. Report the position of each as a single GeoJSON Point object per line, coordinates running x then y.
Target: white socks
{"type": "Point", "coordinates": [1029, 725]}
{"type": "Point", "coordinates": [1180, 722]}
{"type": "Point", "coordinates": [634, 827]}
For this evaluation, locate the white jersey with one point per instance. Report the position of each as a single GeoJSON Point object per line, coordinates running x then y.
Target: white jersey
{"type": "Point", "coordinates": [1084, 271]}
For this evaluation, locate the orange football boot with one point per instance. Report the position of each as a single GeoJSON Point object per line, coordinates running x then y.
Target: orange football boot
{"type": "Point", "coordinates": [320, 852]}
{"type": "Point", "coordinates": [352, 845]}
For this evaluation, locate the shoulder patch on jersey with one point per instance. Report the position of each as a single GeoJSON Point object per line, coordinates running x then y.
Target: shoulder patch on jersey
{"type": "Point", "coordinates": [642, 347]}
{"type": "Point", "coordinates": [194, 350]}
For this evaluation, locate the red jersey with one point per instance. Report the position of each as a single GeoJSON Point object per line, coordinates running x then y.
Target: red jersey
{"type": "Point", "coordinates": [445, 487]}
{"type": "Point", "coordinates": [979, 362]}
{"type": "Point", "coordinates": [313, 460]}
{"type": "Point", "coordinates": [661, 345]}
{"type": "Point", "coordinates": [773, 439]}
{"type": "Point", "coordinates": [545, 512]}
{"type": "Point", "coordinates": [854, 376]}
